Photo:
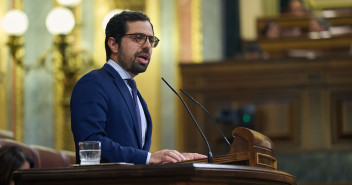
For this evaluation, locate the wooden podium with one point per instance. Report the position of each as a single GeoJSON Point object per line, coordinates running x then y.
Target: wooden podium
{"type": "Point", "coordinates": [248, 148]}
{"type": "Point", "coordinates": [251, 161]}
{"type": "Point", "coordinates": [176, 174]}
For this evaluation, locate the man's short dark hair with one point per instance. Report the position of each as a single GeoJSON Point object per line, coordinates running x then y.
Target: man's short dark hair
{"type": "Point", "coordinates": [117, 27]}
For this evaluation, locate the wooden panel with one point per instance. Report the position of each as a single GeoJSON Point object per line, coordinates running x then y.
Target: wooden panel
{"type": "Point", "coordinates": [275, 119]}
{"type": "Point", "coordinates": [274, 115]}
{"type": "Point", "coordinates": [342, 116]}
{"type": "Point", "coordinates": [283, 95]}
{"type": "Point", "coordinates": [346, 125]}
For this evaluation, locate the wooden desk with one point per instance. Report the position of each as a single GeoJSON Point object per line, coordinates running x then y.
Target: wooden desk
{"type": "Point", "coordinates": [328, 46]}
{"type": "Point", "coordinates": [338, 43]}
{"type": "Point", "coordinates": [299, 22]}
{"type": "Point", "coordinates": [179, 174]}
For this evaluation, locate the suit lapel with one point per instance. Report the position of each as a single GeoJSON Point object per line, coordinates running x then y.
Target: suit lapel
{"type": "Point", "coordinates": [121, 85]}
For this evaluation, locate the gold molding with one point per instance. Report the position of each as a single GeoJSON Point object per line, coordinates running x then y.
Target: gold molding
{"type": "Point", "coordinates": [16, 46]}
{"type": "Point", "coordinates": [59, 114]}
{"type": "Point", "coordinates": [321, 4]}
{"type": "Point", "coordinates": [67, 66]}
{"type": "Point", "coordinates": [4, 84]}
{"type": "Point", "coordinates": [196, 31]}
{"type": "Point", "coordinates": [267, 157]}
{"type": "Point", "coordinates": [16, 50]}
{"type": "Point", "coordinates": [19, 102]}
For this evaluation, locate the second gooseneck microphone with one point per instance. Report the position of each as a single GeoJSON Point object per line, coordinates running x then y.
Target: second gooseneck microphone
{"type": "Point", "coordinates": [210, 155]}
{"type": "Point", "coordinates": [208, 114]}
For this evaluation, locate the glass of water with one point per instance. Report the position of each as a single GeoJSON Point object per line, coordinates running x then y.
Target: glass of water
{"type": "Point", "coordinates": [89, 152]}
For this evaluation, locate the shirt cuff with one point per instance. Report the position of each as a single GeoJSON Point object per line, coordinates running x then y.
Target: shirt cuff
{"type": "Point", "coordinates": [148, 158]}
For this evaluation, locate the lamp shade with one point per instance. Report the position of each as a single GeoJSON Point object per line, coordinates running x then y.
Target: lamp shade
{"type": "Point", "coordinates": [60, 21]}
{"type": "Point", "coordinates": [69, 3]}
{"type": "Point", "coordinates": [109, 16]}
{"type": "Point", "coordinates": [15, 22]}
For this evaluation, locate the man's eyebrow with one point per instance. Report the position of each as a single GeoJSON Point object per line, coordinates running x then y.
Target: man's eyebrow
{"type": "Point", "coordinates": [136, 33]}
{"type": "Point", "coordinates": [140, 33]}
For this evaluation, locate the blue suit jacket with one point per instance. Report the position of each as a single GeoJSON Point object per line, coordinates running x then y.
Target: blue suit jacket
{"type": "Point", "coordinates": [102, 109]}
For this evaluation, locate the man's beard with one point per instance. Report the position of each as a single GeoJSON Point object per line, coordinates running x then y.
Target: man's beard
{"type": "Point", "coordinates": [130, 64]}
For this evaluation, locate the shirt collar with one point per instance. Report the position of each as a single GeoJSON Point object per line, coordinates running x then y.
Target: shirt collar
{"type": "Point", "coordinates": [122, 72]}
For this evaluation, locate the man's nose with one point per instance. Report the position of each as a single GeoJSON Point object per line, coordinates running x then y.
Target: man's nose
{"type": "Point", "coordinates": [147, 43]}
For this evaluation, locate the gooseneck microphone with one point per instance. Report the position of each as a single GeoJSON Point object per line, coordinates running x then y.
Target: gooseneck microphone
{"type": "Point", "coordinates": [210, 155]}
{"type": "Point", "coordinates": [208, 114]}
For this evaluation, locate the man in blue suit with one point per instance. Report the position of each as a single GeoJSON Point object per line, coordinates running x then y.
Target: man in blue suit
{"type": "Point", "coordinates": [105, 103]}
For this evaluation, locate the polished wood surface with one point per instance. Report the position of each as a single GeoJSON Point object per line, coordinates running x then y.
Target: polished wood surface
{"type": "Point", "coordinates": [180, 174]}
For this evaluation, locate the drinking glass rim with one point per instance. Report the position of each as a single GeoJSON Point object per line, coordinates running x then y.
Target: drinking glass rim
{"type": "Point", "coordinates": [81, 142]}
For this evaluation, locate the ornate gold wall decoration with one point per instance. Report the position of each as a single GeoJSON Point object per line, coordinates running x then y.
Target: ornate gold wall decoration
{"type": "Point", "coordinates": [3, 79]}
{"type": "Point", "coordinates": [59, 78]}
{"type": "Point", "coordinates": [68, 65]}
{"type": "Point", "coordinates": [19, 103]}
{"type": "Point", "coordinates": [15, 44]}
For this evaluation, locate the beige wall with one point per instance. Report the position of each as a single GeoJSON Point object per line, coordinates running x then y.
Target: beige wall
{"type": "Point", "coordinates": [250, 10]}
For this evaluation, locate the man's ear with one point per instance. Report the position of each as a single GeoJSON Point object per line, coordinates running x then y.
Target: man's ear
{"type": "Point", "coordinates": [114, 47]}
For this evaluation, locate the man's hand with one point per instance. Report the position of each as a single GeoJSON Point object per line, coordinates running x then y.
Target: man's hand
{"type": "Point", "coordinates": [172, 156]}
{"type": "Point", "coordinates": [166, 156]}
{"type": "Point", "coordinates": [192, 156]}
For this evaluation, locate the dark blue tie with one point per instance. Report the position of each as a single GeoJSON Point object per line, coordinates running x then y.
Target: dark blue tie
{"type": "Point", "coordinates": [133, 86]}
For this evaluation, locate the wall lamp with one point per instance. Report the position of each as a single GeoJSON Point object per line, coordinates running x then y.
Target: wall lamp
{"type": "Point", "coordinates": [15, 23]}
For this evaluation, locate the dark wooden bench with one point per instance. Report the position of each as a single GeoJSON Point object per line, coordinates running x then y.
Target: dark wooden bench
{"type": "Point", "coordinates": [43, 157]}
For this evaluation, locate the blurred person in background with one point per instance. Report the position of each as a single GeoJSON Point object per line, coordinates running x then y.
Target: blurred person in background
{"type": "Point", "coordinates": [296, 8]}
{"type": "Point", "coordinates": [12, 158]}
{"type": "Point", "coordinates": [271, 30]}
{"type": "Point", "coordinates": [319, 28]}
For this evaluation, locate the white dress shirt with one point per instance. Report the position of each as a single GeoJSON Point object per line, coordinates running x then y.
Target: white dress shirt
{"type": "Point", "coordinates": [125, 75]}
